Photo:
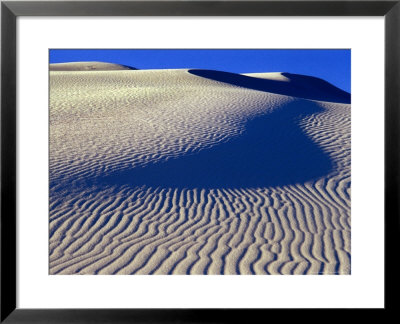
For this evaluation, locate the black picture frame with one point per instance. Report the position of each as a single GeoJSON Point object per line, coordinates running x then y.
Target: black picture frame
{"type": "Point", "coordinates": [10, 10]}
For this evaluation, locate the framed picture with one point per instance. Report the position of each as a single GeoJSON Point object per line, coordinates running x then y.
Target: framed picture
{"type": "Point", "coordinates": [186, 157]}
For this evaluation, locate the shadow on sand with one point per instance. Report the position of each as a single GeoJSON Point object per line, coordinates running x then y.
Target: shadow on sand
{"type": "Point", "coordinates": [301, 86]}
{"type": "Point", "coordinates": [273, 151]}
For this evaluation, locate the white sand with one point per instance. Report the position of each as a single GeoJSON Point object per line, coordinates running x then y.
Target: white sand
{"type": "Point", "coordinates": [167, 172]}
{"type": "Point", "coordinates": [88, 66]}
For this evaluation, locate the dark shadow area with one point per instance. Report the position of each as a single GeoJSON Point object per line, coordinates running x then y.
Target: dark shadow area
{"type": "Point", "coordinates": [273, 151]}
{"type": "Point", "coordinates": [129, 67]}
{"type": "Point", "coordinates": [301, 86]}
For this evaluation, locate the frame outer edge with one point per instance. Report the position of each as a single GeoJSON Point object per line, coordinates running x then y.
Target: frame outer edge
{"type": "Point", "coordinates": [203, 8]}
{"type": "Point", "coordinates": [8, 163]}
{"type": "Point", "coordinates": [392, 149]}
{"type": "Point", "coordinates": [8, 154]}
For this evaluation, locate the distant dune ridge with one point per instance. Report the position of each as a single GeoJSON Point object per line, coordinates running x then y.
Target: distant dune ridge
{"type": "Point", "coordinates": [288, 84]}
{"type": "Point", "coordinates": [88, 66]}
{"type": "Point", "coordinates": [197, 172]}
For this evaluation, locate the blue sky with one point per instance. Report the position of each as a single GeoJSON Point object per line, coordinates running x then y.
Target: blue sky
{"type": "Point", "coordinates": [333, 66]}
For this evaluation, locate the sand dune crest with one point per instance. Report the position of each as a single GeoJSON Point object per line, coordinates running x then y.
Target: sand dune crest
{"type": "Point", "coordinates": [88, 66]}
{"type": "Point", "coordinates": [288, 84]}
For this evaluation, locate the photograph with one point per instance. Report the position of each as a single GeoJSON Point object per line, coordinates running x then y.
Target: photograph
{"type": "Point", "coordinates": [199, 161]}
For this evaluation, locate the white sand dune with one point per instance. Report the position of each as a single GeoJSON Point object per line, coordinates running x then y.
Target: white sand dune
{"type": "Point", "coordinates": [88, 66]}
{"type": "Point", "coordinates": [198, 172]}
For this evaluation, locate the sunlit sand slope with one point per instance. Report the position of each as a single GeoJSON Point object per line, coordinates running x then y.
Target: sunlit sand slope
{"type": "Point", "coordinates": [198, 172]}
